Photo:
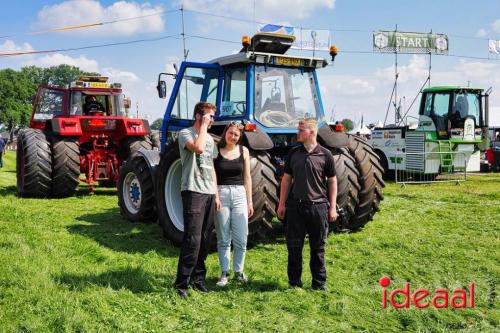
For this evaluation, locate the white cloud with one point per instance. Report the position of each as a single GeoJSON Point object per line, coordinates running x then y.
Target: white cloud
{"type": "Point", "coordinates": [75, 12]}
{"type": "Point", "coordinates": [269, 11]}
{"type": "Point", "coordinates": [416, 69]}
{"type": "Point", "coordinates": [481, 33]}
{"type": "Point", "coordinates": [10, 46]}
{"type": "Point", "coordinates": [496, 26]}
{"type": "Point", "coordinates": [117, 75]}
{"type": "Point", "coordinates": [82, 62]}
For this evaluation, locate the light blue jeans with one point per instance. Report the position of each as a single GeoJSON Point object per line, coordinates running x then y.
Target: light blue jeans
{"type": "Point", "coordinates": [231, 224]}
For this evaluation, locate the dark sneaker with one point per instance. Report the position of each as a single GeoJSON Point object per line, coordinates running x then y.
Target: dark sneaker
{"type": "Point", "coordinates": [295, 284]}
{"type": "Point", "coordinates": [183, 293]}
{"type": "Point", "coordinates": [320, 287]}
{"type": "Point", "coordinates": [241, 277]}
{"type": "Point", "coordinates": [200, 287]}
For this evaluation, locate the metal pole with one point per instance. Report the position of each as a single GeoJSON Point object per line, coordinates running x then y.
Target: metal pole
{"type": "Point", "coordinates": [185, 54]}
{"type": "Point", "coordinates": [396, 82]}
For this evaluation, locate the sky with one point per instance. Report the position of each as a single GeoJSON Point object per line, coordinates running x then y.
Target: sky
{"type": "Point", "coordinates": [358, 85]}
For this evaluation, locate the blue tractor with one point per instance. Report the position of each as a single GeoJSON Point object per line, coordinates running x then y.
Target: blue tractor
{"type": "Point", "coordinates": [270, 92]}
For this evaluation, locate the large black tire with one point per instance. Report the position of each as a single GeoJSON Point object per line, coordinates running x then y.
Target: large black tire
{"type": "Point", "coordinates": [133, 144]}
{"type": "Point", "coordinates": [370, 180]}
{"type": "Point", "coordinates": [265, 190]}
{"type": "Point", "coordinates": [155, 139]}
{"type": "Point", "coordinates": [136, 196]}
{"type": "Point", "coordinates": [168, 195]}
{"type": "Point", "coordinates": [34, 164]}
{"type": "Point", "coordinates": [347, 186]}
{"type": "Point", "coordinates": [66, 166]}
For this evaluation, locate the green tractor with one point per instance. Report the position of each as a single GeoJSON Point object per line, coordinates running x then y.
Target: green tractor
{"type": "Point", "coordinates": [452, 131]}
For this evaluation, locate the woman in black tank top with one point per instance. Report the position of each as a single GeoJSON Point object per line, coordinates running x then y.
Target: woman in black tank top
{"type": "Point", "coordinates": [234, 183]}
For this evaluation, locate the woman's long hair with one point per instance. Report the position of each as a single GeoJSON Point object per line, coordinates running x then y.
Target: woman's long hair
{"type": "Point", "coordinates": [222, 143]}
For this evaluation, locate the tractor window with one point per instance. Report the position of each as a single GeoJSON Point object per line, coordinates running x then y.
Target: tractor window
{"type": "Point", "coordinates": [284, 95]}
{"type": "Point", "coordinates": [50, 104]}
{"type": "Point", "coordinates": [234, 99]}
{"type": "Point", "coordinates": [440, 112]}
{"type": "Point", "coordinates": [465, 105]}
{"type": "Point", "coordinates": [198, 84]}
{"type": "Point", "coordinates": [428, 105]}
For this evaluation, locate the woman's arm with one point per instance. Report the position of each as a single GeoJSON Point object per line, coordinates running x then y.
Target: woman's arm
{"type": "Point", "coordinates": [247, 180]}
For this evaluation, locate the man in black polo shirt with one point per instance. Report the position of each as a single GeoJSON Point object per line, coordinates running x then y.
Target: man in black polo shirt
{"type": "Point", "coordinates": [312, 184]}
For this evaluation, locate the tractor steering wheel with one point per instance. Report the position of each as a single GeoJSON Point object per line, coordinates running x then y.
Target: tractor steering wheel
{"type": "Point", "coordinates": [271, 118]}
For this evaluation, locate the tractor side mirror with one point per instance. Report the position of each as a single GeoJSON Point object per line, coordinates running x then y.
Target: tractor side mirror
{"type": "Point", "coordinates": [162, 89]}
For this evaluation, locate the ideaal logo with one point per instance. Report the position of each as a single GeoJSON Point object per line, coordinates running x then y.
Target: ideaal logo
{"type": "Point", "coordinates": [419, 298]}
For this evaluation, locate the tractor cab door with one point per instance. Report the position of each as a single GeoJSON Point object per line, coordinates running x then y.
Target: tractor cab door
{"type": "Point", "coordinates": [437, 106]}
{"type": "Point", "coordinates": [49, 102]}
{"type": "Point", "coordinates": [195, 82]}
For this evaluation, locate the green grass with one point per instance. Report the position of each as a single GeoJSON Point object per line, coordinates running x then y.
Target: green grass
{"type": "Point", "coordinates": [76, 265]}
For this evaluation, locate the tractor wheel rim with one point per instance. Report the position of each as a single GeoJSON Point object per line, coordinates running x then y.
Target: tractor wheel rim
{"type": "Point", "coordinates": [132, 193]}
{"type": "Point", "coordinates": [173, 200]}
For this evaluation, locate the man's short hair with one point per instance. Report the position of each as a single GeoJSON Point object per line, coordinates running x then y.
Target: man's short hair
{"type": "Point", "coordinates": [310, 123]}
{"type": "Point", "coordinates": [200, 107]}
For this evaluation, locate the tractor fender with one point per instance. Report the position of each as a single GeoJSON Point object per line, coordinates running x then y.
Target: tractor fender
{"type": "Point", "coordinates": [152, 158]}
{"type": "Point", "coordinates": [331, 139]}
{"type": "Point", "coordinates": [66, 126]}
{"type": "Point", "coordinates": [258, 140]}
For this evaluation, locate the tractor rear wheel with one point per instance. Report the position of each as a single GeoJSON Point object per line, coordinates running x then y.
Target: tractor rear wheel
{"type": "Point", "coordinates": [34, 164]}
{"type": "Point", "coordinates": [348, 186]}
{"type": "Point", "coordinates": [370, 180]}
{"type": "Point", "coordinates": [136, 196]}
{"type": "Point", "coordinates": [168, 195]}
{"type": "Point", "coordinates": [66, 166]}
{"type": "Point", "coordinates": [265, 189]}
{"type": "Point", "coordinates": [133, 144]}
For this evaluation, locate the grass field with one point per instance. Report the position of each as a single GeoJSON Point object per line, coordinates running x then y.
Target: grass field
{"type": "Point", "coordinates": [74, 265]}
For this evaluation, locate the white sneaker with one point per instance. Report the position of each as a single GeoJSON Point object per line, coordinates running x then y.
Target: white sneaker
{"type": "Point", "coordinates": [224, 279]}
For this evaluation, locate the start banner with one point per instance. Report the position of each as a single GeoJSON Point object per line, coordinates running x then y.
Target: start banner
{"type": "Point", "coordinates": [410, 42]}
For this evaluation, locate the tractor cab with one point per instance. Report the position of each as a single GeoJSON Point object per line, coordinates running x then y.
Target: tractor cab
{"type": "Point", "coordinates": [453, 113]}
{"type": "Point", "coordinates": [88, 96]}
{"type": "Point", "coordinates": [259, 85]}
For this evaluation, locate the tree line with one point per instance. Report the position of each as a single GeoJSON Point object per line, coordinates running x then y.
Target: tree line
{"type": "Point", "coordinates": [18, 87]}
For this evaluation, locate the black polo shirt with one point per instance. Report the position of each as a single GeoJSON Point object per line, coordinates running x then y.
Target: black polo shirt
{"type": "Point", "coordinates": [309, 172]}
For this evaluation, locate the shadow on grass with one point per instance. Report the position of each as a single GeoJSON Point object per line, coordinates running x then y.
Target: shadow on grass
{"type": "Point", "coordinates": [252, 286]}
{"type": "Point", "coordinates": [8, 190]}
{"type": "Point", "coordinates": [135, 280]}
{"type": "Point", "coordinates": [109, 229]}
{"type": "Point", "coordinates": [85, 191]}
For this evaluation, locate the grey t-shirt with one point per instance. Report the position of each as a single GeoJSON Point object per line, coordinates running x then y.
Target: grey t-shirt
{"type": "Point", "coordinates": [197, 168]}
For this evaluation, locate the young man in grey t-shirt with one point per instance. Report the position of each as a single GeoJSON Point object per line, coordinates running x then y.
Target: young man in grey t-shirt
{"type": "Point", "coordinates": [199, 198]}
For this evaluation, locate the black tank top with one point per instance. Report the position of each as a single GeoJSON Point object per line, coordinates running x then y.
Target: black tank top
{"type": "Point", "coordinates": [229, 172]}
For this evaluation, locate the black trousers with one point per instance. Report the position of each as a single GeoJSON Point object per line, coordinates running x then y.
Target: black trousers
{"type": "Point", "coordinates": [198, 213]}
{"type": "Point", "coordinates": [302, 218]}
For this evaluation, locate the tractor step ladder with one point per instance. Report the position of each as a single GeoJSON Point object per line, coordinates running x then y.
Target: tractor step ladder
{"type": "Point", "coordinates": [445, 156]}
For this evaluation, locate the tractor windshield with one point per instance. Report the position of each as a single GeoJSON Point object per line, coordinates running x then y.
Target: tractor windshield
{"type": "Point", "coordinates": [109, 105]}
{"type": "Point", "coordinates": [285, 95]}
{"type": "Point", "coordinates": [465, 105]}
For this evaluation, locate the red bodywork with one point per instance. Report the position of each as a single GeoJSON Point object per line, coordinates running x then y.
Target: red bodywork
{"type": "Point", "coordinates": [99, 136]}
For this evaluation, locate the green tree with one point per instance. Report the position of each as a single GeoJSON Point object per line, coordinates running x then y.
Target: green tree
{"type": "Point", "coordinates": [156, 125]}
{"type": "Point", "coordinates": [18, 87]}
{"type": "Point", "coordinates": [15, 98]}
{"type": "Point", "coordinates": [348, 124]}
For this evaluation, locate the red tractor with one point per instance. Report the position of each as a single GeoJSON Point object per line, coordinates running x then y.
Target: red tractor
{"type": "Point", "coordinates": [74, 130]}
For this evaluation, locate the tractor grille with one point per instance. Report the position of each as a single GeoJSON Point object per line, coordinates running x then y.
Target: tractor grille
{"type": "Point", "coordinates": [415, 148]}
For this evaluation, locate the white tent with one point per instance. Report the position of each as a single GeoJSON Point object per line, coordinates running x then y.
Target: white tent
{"type": "Point", "coordinates": [360, 130]}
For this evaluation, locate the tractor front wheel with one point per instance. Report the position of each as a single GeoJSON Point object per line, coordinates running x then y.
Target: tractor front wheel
{"type": "Point", "coordinates": [66, 166]}
{"type": "Point", "coordinates": [136, 196]}
{"type": "Point", "coordinates": [34, 164]}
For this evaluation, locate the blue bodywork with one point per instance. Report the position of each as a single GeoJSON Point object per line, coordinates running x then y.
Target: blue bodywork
{"type": "Point", "coordinates": [169, 125]}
